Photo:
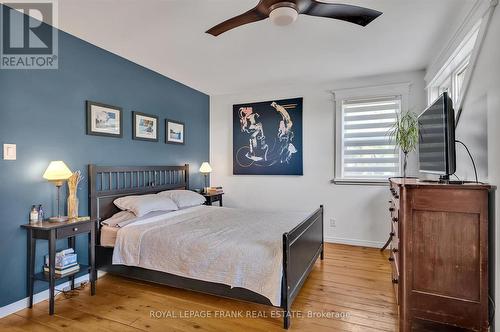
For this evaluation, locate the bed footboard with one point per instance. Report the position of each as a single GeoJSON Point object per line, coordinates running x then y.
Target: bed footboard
{"type": "Point", "coordinates": [301, 248]}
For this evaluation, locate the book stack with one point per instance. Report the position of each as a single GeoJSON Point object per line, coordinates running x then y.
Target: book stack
{"type": "Point", "coordinates": [215, 190]}
{"type": "Point", "coordinates": [66, 263]}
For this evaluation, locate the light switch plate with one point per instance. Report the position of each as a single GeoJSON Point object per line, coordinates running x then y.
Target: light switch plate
{"type": "Point", "coordinates": [9, 152]}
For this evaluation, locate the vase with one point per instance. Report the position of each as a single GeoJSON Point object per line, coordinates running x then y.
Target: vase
{"type": "Point", "coordinates": [72, 206]}
{"type": "Point", "coordinates": [405, 164]}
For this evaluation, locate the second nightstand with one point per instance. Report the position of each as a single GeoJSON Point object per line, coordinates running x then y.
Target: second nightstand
{"type": "Point", "coordinates": [211, 198]}
{"type": "Point", "coordinates": [53, 231]}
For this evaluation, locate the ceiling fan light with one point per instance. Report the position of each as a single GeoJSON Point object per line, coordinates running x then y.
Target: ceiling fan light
{"type": "Point", "coordinates": [282, 16]}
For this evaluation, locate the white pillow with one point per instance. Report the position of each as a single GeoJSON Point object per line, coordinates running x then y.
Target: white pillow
{"type": "Point", "coordinates": [118, 218]}
{"type": "Point", "coordinates": [124, 218]}
{"type": "Point", "coordinates": [141, 205]}
{"type": "Point", "coordinates": [184, 198]}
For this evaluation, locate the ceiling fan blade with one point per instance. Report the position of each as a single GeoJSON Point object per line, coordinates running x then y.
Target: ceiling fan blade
{"type": "Point", "coordinates": [354, 14]}
{"type": "Point", "coordinates": [253, 15]}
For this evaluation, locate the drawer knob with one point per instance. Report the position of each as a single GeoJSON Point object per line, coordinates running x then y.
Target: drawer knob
{"type": "Point", "coordinates": [395, 281]}
{"type": "Point", "coordinates": [75, 229]}
{"type": "Point", "coordinates": [395, 219]}
{"type": "Point", "coordinates": [391, 259]}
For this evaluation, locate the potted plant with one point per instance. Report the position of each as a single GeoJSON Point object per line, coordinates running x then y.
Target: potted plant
{"type": "Point", "coordinates": [405, 134]}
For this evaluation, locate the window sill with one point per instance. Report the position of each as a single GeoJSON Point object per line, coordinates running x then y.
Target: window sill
{"type": "Point", "coordinates": [361, 182]}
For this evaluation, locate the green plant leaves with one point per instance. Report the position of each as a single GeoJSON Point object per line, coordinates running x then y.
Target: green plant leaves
{"type": "Point", "coordinates": [405, 132]}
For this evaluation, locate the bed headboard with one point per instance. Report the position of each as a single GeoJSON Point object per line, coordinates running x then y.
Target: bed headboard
{"type": "Point", "coordinates": [107, 183]}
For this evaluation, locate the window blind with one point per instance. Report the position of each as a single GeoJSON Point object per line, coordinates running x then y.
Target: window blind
{"type": "Point", "coordinates": [368, 151]}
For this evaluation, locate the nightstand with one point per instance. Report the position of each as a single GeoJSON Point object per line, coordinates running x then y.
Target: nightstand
{"type": "Point", "coordinates": [211, 198]}
{"type": "Point", "coordinates": [53, 231]}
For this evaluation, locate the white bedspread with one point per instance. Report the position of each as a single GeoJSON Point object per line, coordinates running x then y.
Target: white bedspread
{"type": "Point", "coordinates": [239, 248]}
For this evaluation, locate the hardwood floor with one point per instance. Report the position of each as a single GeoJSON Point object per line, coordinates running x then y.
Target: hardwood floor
{"type": "Point", "coordinates": [352, 281]}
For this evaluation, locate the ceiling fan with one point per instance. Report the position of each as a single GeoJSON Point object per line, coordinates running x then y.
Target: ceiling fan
{"type": "Point", "coordinates": [286, 12]}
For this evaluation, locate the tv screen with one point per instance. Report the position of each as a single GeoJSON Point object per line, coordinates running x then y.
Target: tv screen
{"type": "Point", "coordinates": [437, 138]}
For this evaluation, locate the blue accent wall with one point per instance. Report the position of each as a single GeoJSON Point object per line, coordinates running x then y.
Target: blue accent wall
{"type": "Point", "coordinates": [43, 112]}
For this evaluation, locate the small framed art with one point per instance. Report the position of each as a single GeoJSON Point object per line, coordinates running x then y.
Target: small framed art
{"type": "Point", "coordinates": [175, 132]}
{"type": "Point", "coordinates": [145, 127]}
{"type": "Point", "coordinates": [104, 120]}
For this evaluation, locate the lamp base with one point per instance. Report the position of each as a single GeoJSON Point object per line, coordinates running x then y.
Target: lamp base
{"type": "Point", "coordinates": [58, 219]}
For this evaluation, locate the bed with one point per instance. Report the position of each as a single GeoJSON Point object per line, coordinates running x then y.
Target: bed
{"type": "Point", "coordinates": [299, 245]}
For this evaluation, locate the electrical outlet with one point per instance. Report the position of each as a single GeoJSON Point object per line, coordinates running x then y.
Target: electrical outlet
{"type": "Point", "coordinates": [9, 152]}
{"type": "Point", "coordinates": [333, 223]}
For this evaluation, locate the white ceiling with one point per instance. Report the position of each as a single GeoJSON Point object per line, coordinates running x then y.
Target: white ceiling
{"type": "Point", "coordinates": [168, 36]}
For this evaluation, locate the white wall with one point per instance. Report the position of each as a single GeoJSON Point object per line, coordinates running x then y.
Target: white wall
{"type": "Point", "coordinates": [483, 100]}
{"type": "Point", "coordinates": [480, 115]}
{"type": "Point", "coordinates": [473, 126]}
{"type": "Point", "coordinates": [360, 211]}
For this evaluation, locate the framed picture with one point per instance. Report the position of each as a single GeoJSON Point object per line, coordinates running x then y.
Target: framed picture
{"type": "Point", "coordinates": [175, 132]}
{"type": "Point", "coordinates": [267, 138]}
{"type": "Point", "coordinates": [145, 127]}
{"type": "Point", "coordinates": [104, 120]}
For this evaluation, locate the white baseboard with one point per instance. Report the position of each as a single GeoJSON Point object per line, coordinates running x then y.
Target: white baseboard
{"type": "Point", "coordinates": [39, 297]}
{"type": "Point", "coordinates": [354, 242]}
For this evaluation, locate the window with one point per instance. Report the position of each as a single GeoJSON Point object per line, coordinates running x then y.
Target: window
{"type": "Point", "coordinates": [368, 151]}
{"type": "Point", "coordinates": [452, 83]}
{"type": "Point", "coordinates": [451, 77]}
{"type": "Point", "coordinates": [459, 79]}
{"type": "Point", "coordinates": [364, 151]}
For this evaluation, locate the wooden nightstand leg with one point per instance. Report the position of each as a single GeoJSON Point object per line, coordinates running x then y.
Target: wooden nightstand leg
{"type": "Point", "coordinates": [220, 201]}
{"type": "Point", "coordinates": [71, 244]}
{"type": "Point", "coordinates": [52, 270]}
{"type": "Point", "coordinates": [92, 272]}
{"type": "Point", "coordinates": [31, 266]}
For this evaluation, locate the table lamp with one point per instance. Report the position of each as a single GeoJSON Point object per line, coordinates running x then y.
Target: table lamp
{"type": "Point", "coordinates": [57, 173]}
{"type": "Point", "coordinates": [206, 169]}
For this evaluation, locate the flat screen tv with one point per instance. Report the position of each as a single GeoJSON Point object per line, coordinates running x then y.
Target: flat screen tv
{"type": "Point", "coordinates": [437, 138]}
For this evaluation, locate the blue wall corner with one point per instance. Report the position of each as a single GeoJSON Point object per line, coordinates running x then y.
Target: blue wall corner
{"type": "Point", "coordinates": [43, 112]}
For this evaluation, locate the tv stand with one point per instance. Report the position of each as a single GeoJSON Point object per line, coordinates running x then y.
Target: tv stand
{"type": "Point", "coordinates": [439, 254]}
{"type": "Point", "coordinates": [427, 181]}
{"type": "Point", "coordinates": [444, 179]}
{"type": "Point", "coordinates": [449, 182]}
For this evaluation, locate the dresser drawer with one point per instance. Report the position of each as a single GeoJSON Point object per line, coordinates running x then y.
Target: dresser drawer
{"type": "Point", "coordinates": [394, 214]}
{"type": "Point", "coordinates": [395, 226]}
{"type": "Point", "coordinates": [395, 274]}
{"type": "Point", "coordinates": [395, 255]}
{"type": "Point", "coordinates": [395, 286]}
{"type": "Point", "coordinates": [73, 230]}
{"type": "Point", "coordinates": [395, 191]}
{"type": "Point", "coordinates": [393, 206]}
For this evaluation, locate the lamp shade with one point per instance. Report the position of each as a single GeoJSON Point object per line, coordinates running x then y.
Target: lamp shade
{"type": "Point", "coordinates": [57, 171]}
{"type": "Point", "coordinates": [205, 168]}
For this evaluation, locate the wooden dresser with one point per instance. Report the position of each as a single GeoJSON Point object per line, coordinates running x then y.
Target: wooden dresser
{"type": "Point", "coordinates": [439, 254]}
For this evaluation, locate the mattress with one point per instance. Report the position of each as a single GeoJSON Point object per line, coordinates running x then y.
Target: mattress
{"type": "Point", "coordinates": [235, 247]}
{"type": "Point", "coordinates": [108, 235]}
